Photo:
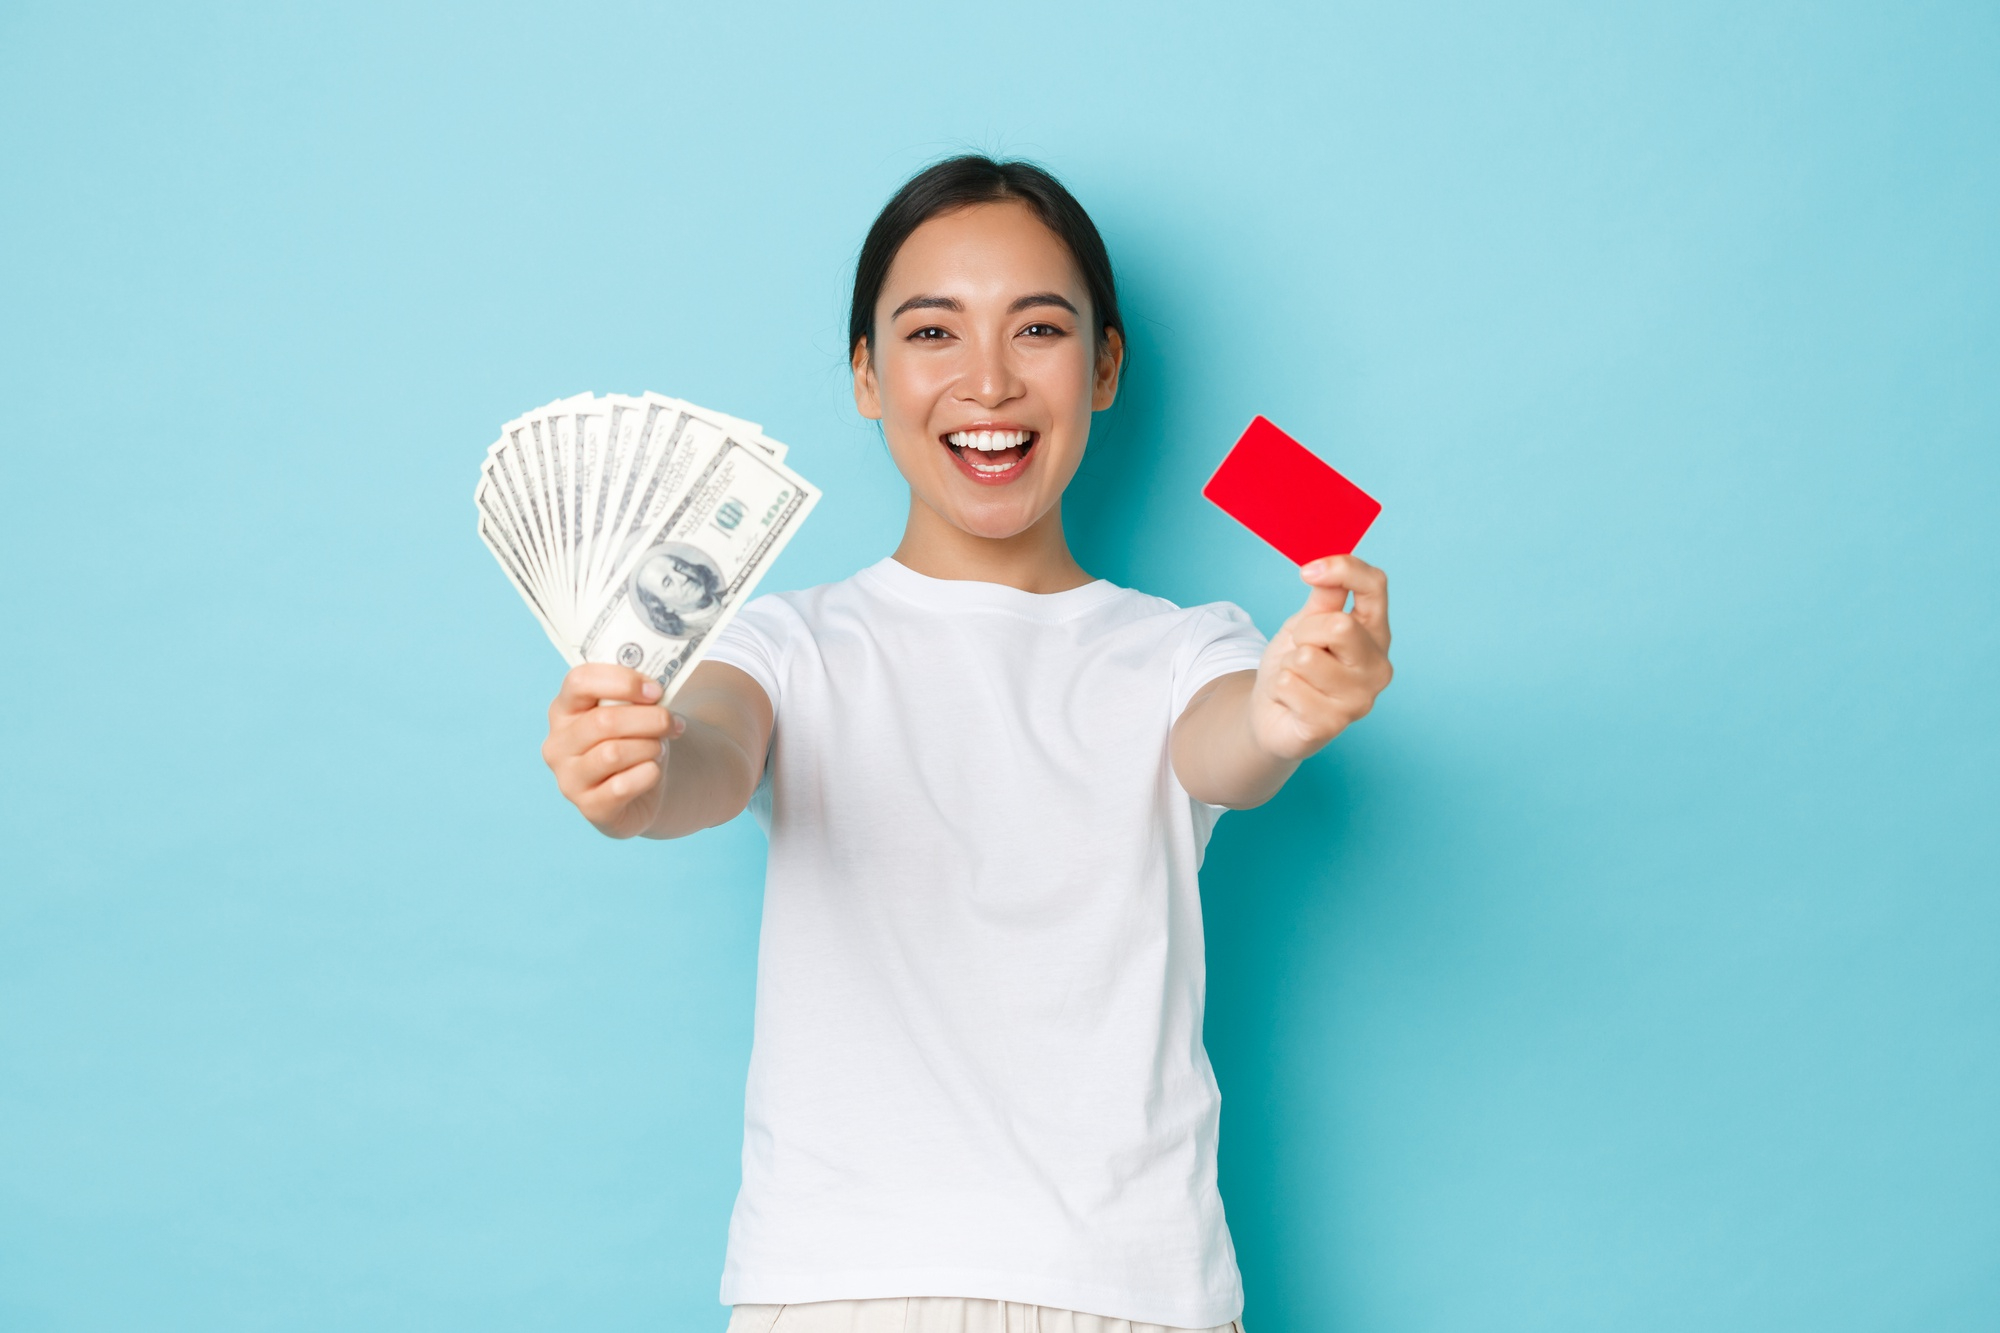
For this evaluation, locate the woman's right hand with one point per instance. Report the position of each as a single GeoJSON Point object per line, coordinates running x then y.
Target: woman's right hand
{"type": "Point", "coordinates": [611, 762]}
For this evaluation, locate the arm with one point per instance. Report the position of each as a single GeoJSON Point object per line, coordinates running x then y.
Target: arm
{"type": "Point", "coordinates": [636, 769]}
{"type": "Point", "coordinates": [1244, 734]}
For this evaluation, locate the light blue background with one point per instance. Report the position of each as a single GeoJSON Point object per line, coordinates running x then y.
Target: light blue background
{"type": "Point", "coordinates": [1634, 967]}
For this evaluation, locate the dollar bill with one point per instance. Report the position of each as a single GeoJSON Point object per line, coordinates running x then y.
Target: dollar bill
{"type": "Point", "coordinates": [666, 435]}
{"type": "Point", "coordinates": [634, 525]}
{"type": "Point", "coordinates": [698, 562]}
{"type": "Point", "coordinates": [507, 553]}
{"type": "Point", "coordinates": [527, 446]}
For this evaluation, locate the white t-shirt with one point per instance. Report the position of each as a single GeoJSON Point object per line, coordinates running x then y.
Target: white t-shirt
{"type": "Point", "coordinates": [977, 1067]}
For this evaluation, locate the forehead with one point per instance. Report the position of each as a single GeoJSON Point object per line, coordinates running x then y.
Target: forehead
{"type": "Point", "coordinates": [999, 250]}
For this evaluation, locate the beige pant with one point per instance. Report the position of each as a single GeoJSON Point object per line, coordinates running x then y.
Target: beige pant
{"type": "Point", "coordinates": [936, 1314]}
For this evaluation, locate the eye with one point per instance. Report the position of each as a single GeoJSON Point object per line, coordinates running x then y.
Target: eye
{"type": "Point", "coordinates": [929, 333]}
{"type": "Point", "coordinates": [1043, 331]}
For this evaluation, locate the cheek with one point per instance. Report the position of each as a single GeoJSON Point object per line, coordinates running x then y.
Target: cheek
{"type": "Point", "coordinates": [908, 389]}
{"type": "Point", "coordinates": [1064, 382]}
{"type": "Point", "coordinates": [909, 384]}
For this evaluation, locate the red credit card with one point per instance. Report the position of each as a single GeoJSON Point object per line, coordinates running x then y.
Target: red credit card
{"type": "Point", "coordinates": [1277, 488]}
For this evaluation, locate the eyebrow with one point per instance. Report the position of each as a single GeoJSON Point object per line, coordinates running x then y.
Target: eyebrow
{"type": "Point", "coordinates": [1041, 298]}
{"type": "Point", "coordinates": [927, 303]}
{"type": "Point", "coordinates": [952, 303]}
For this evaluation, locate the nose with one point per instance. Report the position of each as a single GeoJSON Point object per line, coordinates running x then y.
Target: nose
{"type": "Point", "coordinates": [989, 378]}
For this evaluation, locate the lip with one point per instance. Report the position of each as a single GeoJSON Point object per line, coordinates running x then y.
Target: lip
{"type": "Point", "coordinates": [971, 473]}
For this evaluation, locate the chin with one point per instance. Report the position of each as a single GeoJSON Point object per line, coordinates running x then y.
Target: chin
{"type": "Point", "coordinates": [993, 522]}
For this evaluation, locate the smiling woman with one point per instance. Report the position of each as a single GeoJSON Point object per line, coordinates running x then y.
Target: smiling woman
{"type": "Point", "coordinates": [978, 1097]}
{"type": "Point", "coordinates": [984, 332]}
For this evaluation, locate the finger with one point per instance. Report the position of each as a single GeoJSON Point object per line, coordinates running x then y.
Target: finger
{"type": "Point", "coordinates": [1322, 711]}
{"type": "Point", "coordinates": [1345, 681]}
{"type": "Point", "coordinates": [1339, 633]}
{"type": "Point", "coordinates": [1317, 667]}
{"type": "Point", "coordinates": [603, 724]}
{"type": "Point", "coordinates": [618, 790]}
{"type": "Point", "coordinates": [1313, 715]}
{"type": "Point", "coordinates": [574, 733]}
{"type": "Point", "coordinates": [1335, 576]}
{"type": "Point", "coordinates": [603, 760]}
{"type": "Point", "coordinates": [593, 682]}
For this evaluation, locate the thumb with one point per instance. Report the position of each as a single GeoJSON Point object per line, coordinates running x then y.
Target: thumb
{"type": "Point", "coordinates": [1322, 599]}
{"type": "Point", "coordinates": [1334, 577]}
{"type": "Point", "coordinates": [1329, 587]}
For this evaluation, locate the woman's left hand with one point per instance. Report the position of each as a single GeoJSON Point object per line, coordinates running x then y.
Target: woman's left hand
{"type": "Point", "coordinates": [1325, 666]}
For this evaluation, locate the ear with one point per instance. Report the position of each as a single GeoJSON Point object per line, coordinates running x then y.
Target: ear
{"type": "Point", "coordinates": [867, 391]}
{"type": "Point", "coordinates": [1110, 364]}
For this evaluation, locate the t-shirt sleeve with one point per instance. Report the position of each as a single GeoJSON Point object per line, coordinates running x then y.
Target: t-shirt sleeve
{"type": "Point", "coordinates": [755, 642]}
{"type": "Point", "coordinates": [1221, 638]}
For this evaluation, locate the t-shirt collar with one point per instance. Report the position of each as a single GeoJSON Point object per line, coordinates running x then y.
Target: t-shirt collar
{"type": "Point", "coordinates": [899, 580]}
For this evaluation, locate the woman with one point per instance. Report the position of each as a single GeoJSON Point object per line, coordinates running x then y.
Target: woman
{"type": "Point", "coordinates": [978, 1097]}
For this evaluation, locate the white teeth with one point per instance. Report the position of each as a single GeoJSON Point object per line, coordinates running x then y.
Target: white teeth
{"type": "Point", "coordinates": [986, 441]}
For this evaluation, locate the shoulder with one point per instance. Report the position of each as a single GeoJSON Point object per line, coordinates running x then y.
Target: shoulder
{"type": "Point", "coordinates": [778, 619]}
{"type": "Point", "coordinates": [1199, 642]}
{"type": "Point", "coordinates": [1192, 645]}
{"type": "Point", "coordinates": [1203, 621]}
{"type": "Point", "coordinates": [802, 609]}
{"type": "Point", "coordinates": [766, 635]}
{"type": "Point", "coordinates": [1218, 637]}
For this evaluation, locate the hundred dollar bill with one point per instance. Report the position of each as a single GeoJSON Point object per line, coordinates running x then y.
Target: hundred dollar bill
{"type": "Point", "coordinates": [506, 501]}
{"type": "Point", "coordinates": [628, 433]}
{"type": "Point", "coordinates": [525, 446]}
{"type": "Point", "coordinates": [699, 563]}
{"type": "Point", "coordinates": [506, 551]}
{"type": "Point", "coordinates": [734, 427]}
{"type": "Point", "coordinates": [668, 438]}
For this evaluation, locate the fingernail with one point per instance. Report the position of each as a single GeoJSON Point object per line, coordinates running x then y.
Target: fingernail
{"type": "Point", "coordinates": [1315, 569]}
{"type": "Point", "coordinates": [650, 691]}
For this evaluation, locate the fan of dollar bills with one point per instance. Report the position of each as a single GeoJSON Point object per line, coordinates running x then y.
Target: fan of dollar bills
{"type": "Point", "coordinates": [634, 527]}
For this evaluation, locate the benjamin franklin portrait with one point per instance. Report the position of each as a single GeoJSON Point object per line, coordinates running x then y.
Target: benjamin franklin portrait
{"type": "Point", "coordinates": [677, 589]}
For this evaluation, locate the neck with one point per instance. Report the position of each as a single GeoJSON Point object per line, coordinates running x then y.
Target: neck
{"type": "Point", "coordinates": [1036, 559]}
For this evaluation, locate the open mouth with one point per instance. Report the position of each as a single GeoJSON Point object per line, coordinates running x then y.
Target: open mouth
{"type": "Point", "coordinates": [991, 456]}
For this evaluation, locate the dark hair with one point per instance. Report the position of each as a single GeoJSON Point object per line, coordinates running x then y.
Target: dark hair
{"type": "Point", "coordinates": [959, 182]}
